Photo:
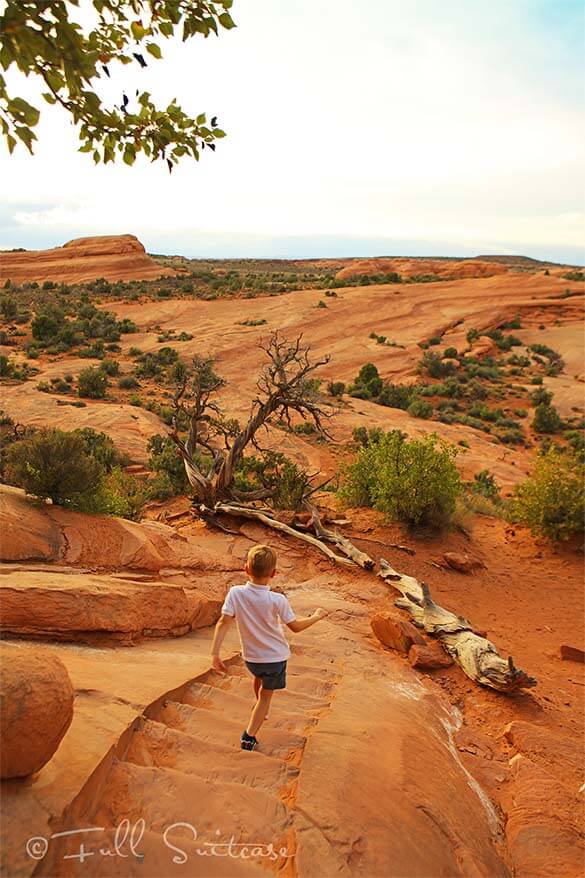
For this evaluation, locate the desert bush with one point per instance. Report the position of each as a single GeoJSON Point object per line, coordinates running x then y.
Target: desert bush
{"type": "Point", "coordinates": [166, 461]}
{"type": "Point", "coordinates": [92, 383]}
{"type": "Point", "coordinates": [546, 419]}
{"type": "Point", "coordinates": [434, 365]}
{"type": "Point", "coordinates": [118, 493]}
{"type": "Point", "coordinates": [288, 482]}
{"type": "Point", "coordinates": [415, 481]}
{"type": "Point", "coordinates": [398, 396]}
{"type": "Point", "coordinates": [552, 501]}
{"type": "Point", "coordinates": [8, 307]}
{"type": "Point", "coordinates": [420, 408]}
{"type": "Point", "coordinates": [109, 367]}
{"type": "Point", "coordinates": [101, 447]}
{"type": "Point", "coordinates": [305, 428]}
{"type": "Point", "coordinates": [484, 483]}
{"type": "Point", "coordinates": [54, 465]}
{"type": "Point", "coordinates": [450, 353]}
{"type": "Point", "coordinates": [336, 388]}
{"type": "Point", "coordinates": [128, 382]}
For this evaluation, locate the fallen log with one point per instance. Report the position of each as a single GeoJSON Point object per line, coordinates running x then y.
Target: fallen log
{"type": "Point", "coordinates": [477, 656]}
{"type": "Point", "coordinates": [347, 547]}
{"type": "Point", "coordinates": [256, 515]}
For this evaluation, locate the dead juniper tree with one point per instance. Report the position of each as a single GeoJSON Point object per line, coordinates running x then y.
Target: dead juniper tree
{"type": "Point", "coordinates": [286, 385]}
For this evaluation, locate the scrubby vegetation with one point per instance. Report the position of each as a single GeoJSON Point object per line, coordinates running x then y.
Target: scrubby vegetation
{"type": "Point", "coordinates": [414, 481]}
{"type": "Point", "coordinates": [552, 501]}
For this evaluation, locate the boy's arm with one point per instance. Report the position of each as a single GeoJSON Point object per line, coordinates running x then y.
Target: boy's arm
{"type": "Point", "coordinates": [221, 629]}
{"type": "Point", "coordinates": [297, 625]}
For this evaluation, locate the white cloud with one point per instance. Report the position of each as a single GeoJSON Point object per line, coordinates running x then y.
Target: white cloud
{"type": "Point", "coordinates": [453, 121]}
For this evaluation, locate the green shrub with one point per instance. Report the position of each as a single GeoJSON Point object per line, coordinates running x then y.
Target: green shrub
{"type": "Point", "coordinates": [336, 388]}
{"type": "Point", "coordinates": [546, 419]}
{"type": "Point", "coordinates": [128, 382]}
{"type": "Point", "coordinates": [420, 408]}
{"type": "Point", "coordinates": [165, 460]}
{"type": "Point", "coordinates": [109, 367]}
{"type": "Point", "coordinates": [398, 396]}
{"type": "Point", "coordinates": [101, 447]}
{"type": "Point", "coordinates": [118, 493]}
{"type": "Point", "coordinates": [450, 353]}
{"type": "Point", "coordinates": [54, 465]}
{"type": "Point", "coordinates": [8, 307]}
{"type": "Point", "coordinates": [434, 365]}
{"type": "Point", "coordinates": [306, 428]}
{"type": "Point", "coordinates": [552, 501]}
{"type": "Point", "coordinates": [288, 482]}
{"type": "Point", "coordinates": [484, 483]}
{"type": "Point", "coordinates": [92, 383]}
{"type": "Point", "coordinates": [413, 481]}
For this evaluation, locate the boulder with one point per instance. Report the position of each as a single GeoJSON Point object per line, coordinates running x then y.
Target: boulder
{"type": "Point", "coordinates": [395, 633]}
{"type": "Point", "coordinates": [428, 657]}
{"type": "Point", "coordinates": [37, 709]}
{"type": "Point", "coordinates": [462, 562]}
{"type": "Point", "coordinates": [572, 653]}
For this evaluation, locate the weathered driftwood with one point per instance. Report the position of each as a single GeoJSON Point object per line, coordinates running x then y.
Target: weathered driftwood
{"type": "Point", "coordinates": [332, 536]}
{"type": "Point", "coordinates": [477, 655]}
{"type": "Point", "coordinates": [256, 515]}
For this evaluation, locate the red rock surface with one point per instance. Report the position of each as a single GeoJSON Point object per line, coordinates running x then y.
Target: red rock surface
{"type": "Point", "coordinates": [462, 562]}
{"type": "Point", "coordinates": [37, 709]}
{"type": "Point", "coordinates": [114, 257]}
{"type": "Point", "coordinates": [544, 823]}
{"type": "Point", "coordinates": [395, 632]}
{"type": "Point", "coordinates": [428, 657]}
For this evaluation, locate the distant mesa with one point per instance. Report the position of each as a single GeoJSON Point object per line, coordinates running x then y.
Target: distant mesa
{"type": "Point", "coordinates": [113, 257]}
{"type": "Point", "coordinates": [445, 269]}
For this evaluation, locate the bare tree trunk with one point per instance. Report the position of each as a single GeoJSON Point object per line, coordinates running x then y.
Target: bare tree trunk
{"type": "Point", "coordinates": [477, 655]}
{"type": "Point", "coordinates": [331, 536]}
{"type": "Point", "coordinates": [256, 515]}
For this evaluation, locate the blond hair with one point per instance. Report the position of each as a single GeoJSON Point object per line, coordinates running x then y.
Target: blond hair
{"type": "Point", "coordinates": [261, 561]}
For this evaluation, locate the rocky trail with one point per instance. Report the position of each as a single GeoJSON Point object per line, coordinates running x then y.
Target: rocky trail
{"type": "Point", "coordinates": [344, 781]}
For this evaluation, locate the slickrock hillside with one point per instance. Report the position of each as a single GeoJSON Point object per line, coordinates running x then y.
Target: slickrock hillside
{"type": "Point", "coordinates": [371, 763]}
{"type": "Point", "coordinates": [113, 257]}
{"type": "Point", "coordinates": [366, 766]}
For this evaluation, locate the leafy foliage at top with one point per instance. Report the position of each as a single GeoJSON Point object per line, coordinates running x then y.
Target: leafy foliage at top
{"type": "Point", "coordinates": [42, 38]}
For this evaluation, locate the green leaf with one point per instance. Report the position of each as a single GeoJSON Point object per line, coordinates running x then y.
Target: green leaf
{"type": "Point", "coordinates": [137, 30]}
{"type": "Point", "coordinates": [226, 21]}
{"type": "Point", "coordinates": [154, 50]}
{"type": "Point", "coordinates": [200, 119]}
{"type": "Point", "coordinates": [11, 143]}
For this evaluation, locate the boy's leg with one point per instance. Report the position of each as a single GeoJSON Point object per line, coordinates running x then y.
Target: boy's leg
{"type": "Point", "coordinates": [260, 710]}
{"type": "Point", "coordinates": [257, 688]}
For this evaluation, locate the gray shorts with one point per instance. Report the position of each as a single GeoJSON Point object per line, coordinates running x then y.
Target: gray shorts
{"type": "Point", "coordinates": [272, 674]}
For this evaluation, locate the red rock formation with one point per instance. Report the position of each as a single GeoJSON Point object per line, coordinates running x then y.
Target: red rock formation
{"type": "Point", "coordinates": [396, 633]}
{"type": "Point", "coordinates": [114, 257]}
{"type": "Point", "coordinates": [428, 657]}
{"type": "Point", "coordinates": [37, 709]}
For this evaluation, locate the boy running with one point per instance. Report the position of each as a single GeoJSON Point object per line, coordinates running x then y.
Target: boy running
{"type": "Point", "coordinates": [258, 612]}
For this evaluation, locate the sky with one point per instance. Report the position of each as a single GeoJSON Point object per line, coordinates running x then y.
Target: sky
{"type": "Point", "coordinates": [387, 128]}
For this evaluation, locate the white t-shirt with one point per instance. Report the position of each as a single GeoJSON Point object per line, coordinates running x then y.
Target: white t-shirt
{"type": "Point", "coordinates": [258, 613]}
